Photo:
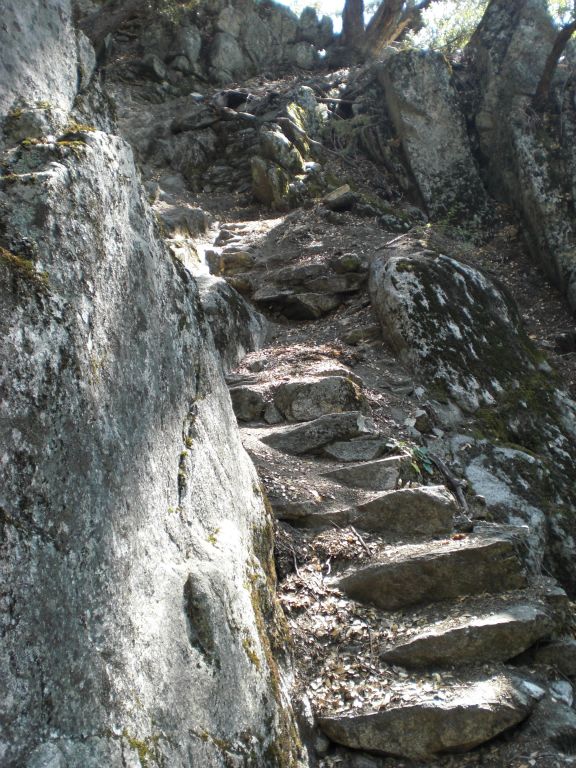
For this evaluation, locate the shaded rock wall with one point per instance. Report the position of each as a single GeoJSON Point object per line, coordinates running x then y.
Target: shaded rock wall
{"type": "Point", "coordinates": [182, 46]}
{"type": "Point", "coordinates": [507, 54]}
{"type": "Point", "coordinates": [138, 621]}
{"type": "Point", "coordinates": [454, 137]}
{"type": "Point", "coordinates": [46, 66]}
{"type": "Point", "coordinates": [527, 157]}
{"type": "Point", "coordinates": [541, 186]}
{"type": "Point", "coordinates": [424, 108]}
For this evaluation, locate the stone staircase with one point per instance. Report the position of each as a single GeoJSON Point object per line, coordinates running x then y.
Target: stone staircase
{"type": "Point", "coordinates": [408, 616]}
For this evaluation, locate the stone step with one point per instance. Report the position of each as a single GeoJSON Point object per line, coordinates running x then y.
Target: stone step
{"type": "Point", "coordinates": [238, 228]}
{"type": "Point", "coordinates": [378, 475]}
{"type": "Point", "coordinates": [309, 398]}
{"type": "Point", "coordinates": [359, 449]}
{"type": "Point", "coordinates": [302, 399]}
{"type": "Point", "coordinates": [456, 718]}
{"type": "Point", "coordinates": [497, 633]}
{"type": "Point", "coordinates": [311, 436]}
{"type": "Point", "coordinates": [438, 570]}
{"type": "Point", "coordinates": [408, 512]}
{"type": "Point", "coordinates": [428, 510]}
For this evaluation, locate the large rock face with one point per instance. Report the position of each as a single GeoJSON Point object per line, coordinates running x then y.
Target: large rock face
{"type": "Point", "coordinates": [541, 185]}
{"type": "Point", "coordinates": [176, 46]}
{"type": "Point", "coordinates": [137, 589]}
{"type": "Point", "coordinates": [507, 52]}
{"type": "Point", "coordinates": [430, 125]}
{"type": "Point", "coordinates": [528, 158]}
{"type": "Point", "coordinates": [523, 488]}
{"type": "Point", "coordinates": [43, 65]}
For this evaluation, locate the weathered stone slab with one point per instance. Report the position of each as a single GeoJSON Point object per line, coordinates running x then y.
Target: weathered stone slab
{"type": "Point", "coordinates": [294, 276]}
{"type": "Point", "coordinates": [305, 400]}
{"type": "Point", "coordinates": [560, 654]}
{"type": "Point", "coordinates": [313, 435]}
{"type": "Point", "coordinates": [358, 450]}
{"type": "Point", "coordinates": [310, 306]}
{"type": "Point", "coordinates": [450, 323]}
{"type": "Point", "coordinates": [496, 636]}
{"type": "Point", "coordinates": [181, 220]}
{"type": "Point", "coordinates": [340, 199]}
{"type": "Point", "coordinates": [297, 306]}
{"type": "Point", "coordinates": [345, 283]}
{"type": "Point", "coordinates": [439, 570]}
{"type": "Point", "coordinates": [236, 262]}
{"type": "Point", "coordinates": [248, 403]}
{"type": "Point", "coordinates": [477, 714]}
{"type": "Point", "coordinates": [428, 510]}
{"type": "Point", "coordinates": [379, 475]}
{"type": "Point", "coordinates": [293, 511]}
{"type": "Point", "coordinates": [237, 328]}
{"type": "Point", "coordinates": [406, 512]}
{"type": "Point", "coordinates": [430, 124]}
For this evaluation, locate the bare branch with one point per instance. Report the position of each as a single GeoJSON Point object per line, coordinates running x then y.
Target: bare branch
{"type": "Point", "coordinates": [390, 22]}
{"type": "Point", "coordinates": [543, 90]}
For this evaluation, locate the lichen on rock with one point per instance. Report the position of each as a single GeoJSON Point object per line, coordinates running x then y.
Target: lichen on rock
{"type": "Point", "coordinates": [453, 325]}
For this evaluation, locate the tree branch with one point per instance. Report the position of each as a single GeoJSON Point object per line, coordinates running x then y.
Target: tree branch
{"type": "Point", "coordinates": [390, 22]}
{"type": "Point", "coordinates": [543, 90]}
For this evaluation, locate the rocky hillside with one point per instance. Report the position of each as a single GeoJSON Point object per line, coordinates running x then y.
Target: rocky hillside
{"type": "Point", "coordinates": [288, 366]}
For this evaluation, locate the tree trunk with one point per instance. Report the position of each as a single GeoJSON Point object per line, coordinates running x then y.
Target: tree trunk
{"type": "Point", "coordinates": [543, 91]}
{"type": "Point", "coordinates": [112, 15]}
{"type": "Point", "coordinates": [390, 22]}
{"type": "Point", "coordinates": [353, 23]}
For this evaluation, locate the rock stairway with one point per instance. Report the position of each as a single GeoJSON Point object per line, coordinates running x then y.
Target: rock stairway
{"type": "Point", "coordinates": [414, 621]}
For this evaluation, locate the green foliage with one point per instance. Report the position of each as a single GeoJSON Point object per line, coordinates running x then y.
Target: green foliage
{"type": "Point", "coordinates": [449, 25]}
{"type": "Point", "coordinates": [421, 462]}
{"type": "Point", "coordinates": [562, 10]}
{"type": "Point", "coordinates": [319, 6]}
{"type": "Point", "coordinates": [175, 10]}
{"type": "Point", "coordinates": [24, 268]}
{"type": "Point", "coordinates": [74, 127]}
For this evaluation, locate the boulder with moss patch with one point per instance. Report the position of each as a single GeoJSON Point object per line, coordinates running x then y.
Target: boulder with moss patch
{"type": "Point", "coordinates": [270, 184]}
{"type": "Point", "coordinates": [453, 325]}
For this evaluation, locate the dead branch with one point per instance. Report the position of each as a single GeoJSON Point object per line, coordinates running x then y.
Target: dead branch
{"type": "Point", "coordinates": [453, 482]}
{"type": "Point", "coordinates": [543, 90]}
